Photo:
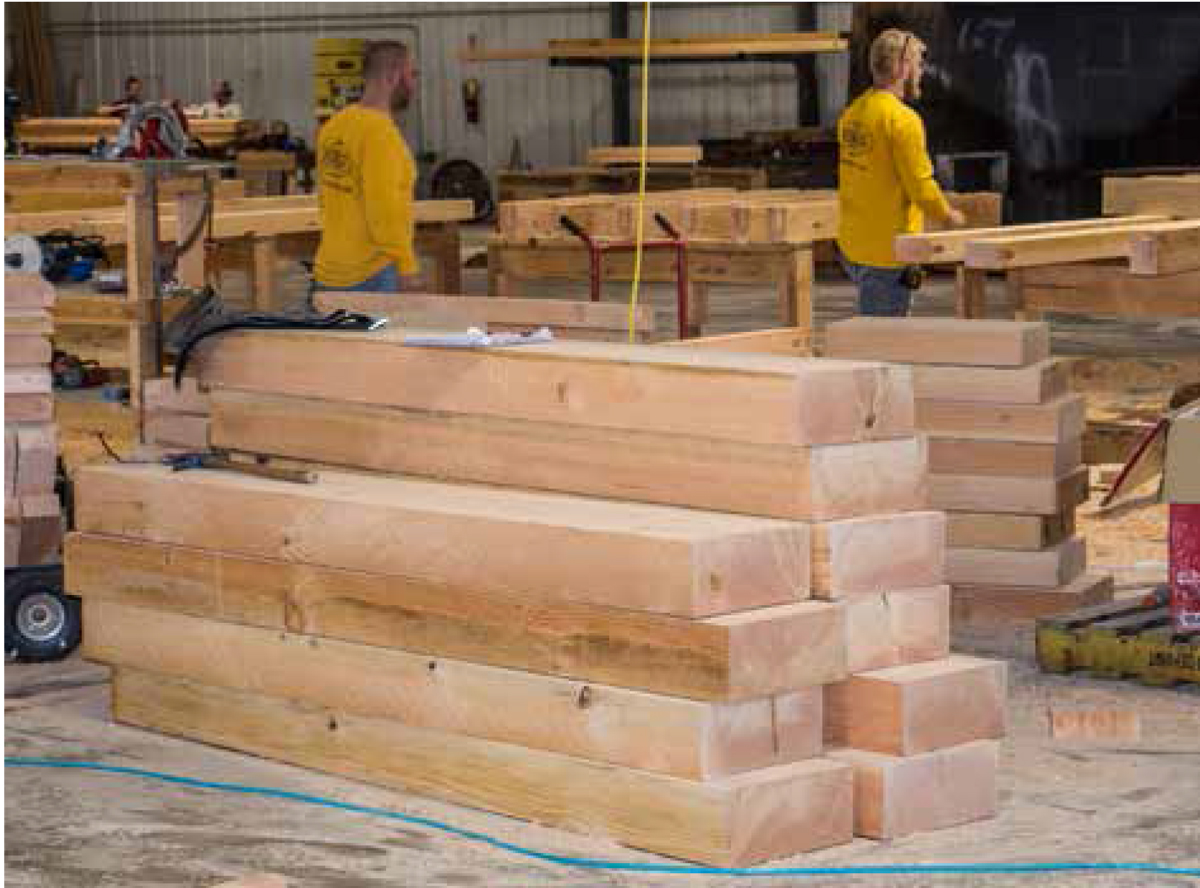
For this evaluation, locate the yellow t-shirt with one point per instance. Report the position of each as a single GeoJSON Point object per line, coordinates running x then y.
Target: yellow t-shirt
{"type": "Point", "coordinates": [365, 178]}
{"type": "Point", "coordinates": [885, 179]}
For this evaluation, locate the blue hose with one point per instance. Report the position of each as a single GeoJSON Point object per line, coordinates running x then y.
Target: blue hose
{"type": "Point", "coordinates": [591, 863]}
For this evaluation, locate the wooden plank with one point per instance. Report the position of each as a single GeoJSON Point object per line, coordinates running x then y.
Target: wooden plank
{"type": "Point", "coordinates": [1173, 297]}
{"type": "Point", "coordinates": [895, 627]}
{"type": "Point", "coordinates": [698, 47]}
{"type": "Point", "coordinates": [1166, 252]}
{"type": "Point", "coordinates": [1063, 419]}
{"type": "Point", "coordinates": [751, 398]}
{"type": "Point", "coordinates": [656, 558]}
{"type": "Point", "coordinates": [795, 342]}
{"type": "Point", "coordinates": [28, 408]}
{"type": "Point", "coordinates": [1016, 495]}
{"type": "Point", "coordinates": [982, 530]}
{"type": "Point", "coordinates": [27, 380]}
{"type": "Point", "coordinates": [948, 246]}
{"type": "Point", "coordinates": [667, 735]}
{"type": "Point", "coordinates": [27, 291]}
{"type": "Point", "coordinates": [1034, 384]}
{"type": "Point", "coordinates": [1096, 725]}
{"type": "Point", "coordinates": [655, 154]}
{"type": "Point", "coordinates": [860, 556]}
{"type": "Point", "coordinates": [919, 707]}
{"type": "Point", "coordinates": [26, 349]}
{"type": "Point", "coordinates": [963, 456]}
{"type": "Point", "coordinates": [563, 316]}
{"type": "Point", "coordinates": [1171, 195]}
{"type": "Point", "coordinates": [897, 796]}
{"type": "Point", "coordinates": [745, 656]}
{"type": "Point", "coordinates": [239, 221]}
{"type": "Point", "coordinates": [1049, 568]}
{"type": "Point", "coordinates": [258, 880]}
{"type": "Point", "coordinates": [972, 343]}
{"type": "Point", "coordinates": [779, 481]}
{"type": "Point", "coordinates": [990, 607]}
{"type": "Point", "coordinates": [27, 321]}
{"type": "Point", "coordinates": [736, 821]}
{"type": "Point", "coordinates": [1061, 247]}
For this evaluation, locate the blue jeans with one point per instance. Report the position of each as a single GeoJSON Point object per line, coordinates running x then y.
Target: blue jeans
{"type": "Point", "coordinates": [386, 280]}
{"type": "Point", "coordinates": [880, 290]}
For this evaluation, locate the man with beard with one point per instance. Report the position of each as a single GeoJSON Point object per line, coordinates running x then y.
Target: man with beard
{"type": "Point", "coordinates": [365, 179]}
{"type": "Point", "coordinates": [885, 180]}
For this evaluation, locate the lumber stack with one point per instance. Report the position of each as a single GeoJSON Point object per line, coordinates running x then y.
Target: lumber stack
{"type": "Point", "coordinates": [1005, 458]}
{"type": "Point", "coordinates": [543, 581]}
{"type": "Point", "coordinates": [32, 514]}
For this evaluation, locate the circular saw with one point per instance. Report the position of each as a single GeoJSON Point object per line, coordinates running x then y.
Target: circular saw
{"type": "Point", "coordinates": [22, 255]}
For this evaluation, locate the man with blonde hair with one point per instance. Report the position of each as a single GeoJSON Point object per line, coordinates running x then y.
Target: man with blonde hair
{"type": "Point", "coordinates": [885, 179]}
{"type": "Point", "coordinates": [365, 180]}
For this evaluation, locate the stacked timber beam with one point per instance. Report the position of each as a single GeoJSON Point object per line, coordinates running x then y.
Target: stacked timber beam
{"type": "Point", "coordinates": [32, 512]}
{"type": "Point", "coordinates": [175, 418]}
{"type": "Point", "coordinates": [1152, 239]}
{"type": "Point", "coordinates": [598, 599]}
{"type": "Point", "coordinates": [1005, 459]}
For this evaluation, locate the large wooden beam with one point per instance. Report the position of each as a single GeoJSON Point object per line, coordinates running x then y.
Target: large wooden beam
{"type": "Point", "coordinates": [860, 556]}
{"type": "Point", "coordinates": [1003, 253]}
{"type": "Point", "coordinates": [655, 558]}
{"type": "Point", "coordinates": [780, 481]}
{"type": "Point", "coordinates": [1165, 252]}
{"type": "Point", "coordinates": [667, 735]}
{"type": "Point", "coordinates": [238, 221]}
{"type": "Point", "coordinates": [1032, 384]}
{"type": "Point", "coordinates": [921, 707]}
{"type": "Point", "coordinates": [987, 456]}
{"type": "Point", "coordinates": [748, 398]}
{"type": "Point", "coordinates": [948, 246]}
{"type": "Point", "coordinates": [939, 341]}
{"type": "Point", "coordinates": [1171, 195]}
{"type": "Point", "coordinates": [1063, 419]}
{"type": "Point", "coordinates": [568, 318]}
{"type": "Point", "coordinates": [655, 154]}
{"type": "Point", "coordinates": [986, 530]}
{"type": "Point", "coordinates": [1050, 568]}
{"type": "Point", "coordinates": [1012, 495]}
{"type": "Point", "coordinates": [896, 796]}
{"type": "Point", "coordinates": [750, 655]}
{"type": "Point", "coordinates": [736, 821]}
{"type": "Point", "coordinates": [892, 628]}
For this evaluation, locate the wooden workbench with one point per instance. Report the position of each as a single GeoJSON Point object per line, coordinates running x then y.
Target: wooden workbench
{"type": "Point", "coordinates": [268, 227]}
{"type": "Point", "coordinates": [49, 134]}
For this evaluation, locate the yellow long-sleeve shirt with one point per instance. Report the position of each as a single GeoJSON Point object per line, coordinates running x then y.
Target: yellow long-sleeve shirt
{"type": "Point", "coordinates": [365, 178]}
{"type": "Point", "coordinates": [885, 179]}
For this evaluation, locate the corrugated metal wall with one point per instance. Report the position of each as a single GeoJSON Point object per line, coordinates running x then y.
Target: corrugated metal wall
{"type": "Point", "coordinates": [266, 51]}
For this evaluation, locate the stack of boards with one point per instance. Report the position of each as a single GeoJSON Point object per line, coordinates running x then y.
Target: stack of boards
{"type": "Point", "coordinates": [32, 514]}
{"type": "Point", "coordinates": [1005, 459]}
{"type": "Point", "coordinates": [685, 600]}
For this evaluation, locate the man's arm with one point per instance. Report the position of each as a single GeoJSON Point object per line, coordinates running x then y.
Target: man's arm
{"type": "Point", "coordinates": [388, 179]}
{"type": "Point", "coordinates": [916, 171]}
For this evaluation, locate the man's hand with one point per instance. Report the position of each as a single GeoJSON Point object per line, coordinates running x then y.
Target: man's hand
{"type": "Point", "coordinates": [956, 219]}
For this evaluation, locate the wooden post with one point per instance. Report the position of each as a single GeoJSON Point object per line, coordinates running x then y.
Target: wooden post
{"type": "Point", "coordinates": [1015, 285]}
{"type": "Point", "coordinates": [450, 257]}
{"type": "Point", "coordinates": [190, 268]}
{"type": "Point", "coordinates": [970, 292]}
{"type": "Point", "coordinates": [264, 266]}
{"type": "Point", "coordinates": [499, 283]}
{"type": "Point", "coordinates": [795, 290]}
{"type": "Point", "coordinates": [145, 361]}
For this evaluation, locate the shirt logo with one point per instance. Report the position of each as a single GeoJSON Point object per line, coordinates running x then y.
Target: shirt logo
{"type": "Point", "coordinates": [856, 138]}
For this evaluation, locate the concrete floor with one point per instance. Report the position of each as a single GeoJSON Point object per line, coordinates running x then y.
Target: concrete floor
{"type": "Point", "coordinates": [1131, 801]}
{"type": "Point", "coordinates": [1128, 801]}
